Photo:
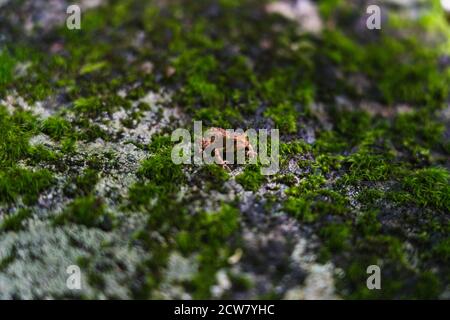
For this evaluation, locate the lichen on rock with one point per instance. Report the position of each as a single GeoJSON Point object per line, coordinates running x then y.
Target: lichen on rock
{"type": "Point", "coordinates": [86, 176]}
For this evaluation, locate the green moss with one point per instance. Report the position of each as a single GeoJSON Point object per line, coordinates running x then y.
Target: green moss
{"type": "Point", "coordinates": [15, 221]}
{"type": "Point", "coordinates": [368, 184]}
{"type": "Point", "coordinates": [89, 132]}
{"type": "Point", "coordinates": [251, 179]}
{"type": "Point", "coordinates": [401, 68]}
{"type": "Point", "coordinates": [206, 90]}
{"type": "Point", "coordinates": [416, 79]}
{"type": "Point", "coordinates": [208, 229]}
{"type": "Point", "coordinates": [336, 236]}
{"type": "Point", "coordinates": [93, 67]}
{"type": "Point", "coordinates": [328, 163]}
{"type": "Point", "coordinates": [429, 187]}
{"type": "Point", "coordinates": [308, 205]}
{"type": "Point", "coordinates": [227, 118]}
{"type": "Point", "coordinates": [37, 86]}
{"type": "Point", "coordinates": [18, 183]}
{"type": "Point", "coordinates": [142, 194]}
{"type": "Point", "coordinates": [367, 167]}
{"type": "Point", "coordinates": [83, 184]}
{"type": "Point", "coordinates": [201, 233]}
{"type": "Point", "coordinates": [351, 125]}
{"type": "Point", "coordinates": [390, 287]}
{"type": "Point", "coordinates": [368, 223]}
{"type": "Point", "coordinates": [56, 127]}
{"type": "Point", "coordinates": [160, 170]}
{"type": "Point", "coordinates": [88, 211]}
{"type": "Point", "coordinates": [296, 147]}
{"type": "Point", "coordinates": [285, 117]}
{"type": "Point", "coordinates": [91, 106]}
{"type": "Point", "coordinates": [206, 233]}
{"type": "Point", "coordinates": [327, 7]}
{"type": "Point", "coordinates": [418, 126]}
{"type": "Point", "coordinates": [40, 153]}
{"type": "Point", "coordinates": [7, 63]}
{"type": "Point", "coordinates": [241, 282]}
{"type": "Point", "coordinates": [5, 262]}
{"type": "Point", "coordinates": [159, 143]}
{"type": "Point", "coordinates": [160, 177]}
{"type": "Point", "coordinates": [68, 145]}
{"type": "Point", "coordinates": [308, 184]}
{"type": "Point", "coordinates": [212, 176]}
{"type": "Point", "coordinates": [350, 128]}
{"type": "Point", "coordinates": [309, 200]}
{"type": "Point", "coordinates": [10, 57]}
{"type": "Point", "coordinates": [288, 179]}
{"type": "Point", "coordinates": [428, 285]}
{"type": "Point", "coordinates": [417, 133]}
{"type": "Point", "coordinates": [442, 250]}
{"type": "Point", "coordinates": [329, 142]}
{"type": "Point", "coordinates": [300, 209]}
{"type": "Point", "coordinates": [15, 131]}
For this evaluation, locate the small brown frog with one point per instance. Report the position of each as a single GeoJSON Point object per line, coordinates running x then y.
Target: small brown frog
{"type": "Point", "coordinates": [241, 142]}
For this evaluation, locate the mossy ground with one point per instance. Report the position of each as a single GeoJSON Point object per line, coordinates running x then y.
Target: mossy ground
{"type": "Point", "coordinates": [364, 122]}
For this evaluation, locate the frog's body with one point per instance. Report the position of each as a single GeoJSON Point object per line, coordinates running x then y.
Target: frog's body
{"type": "Point", "coordinates": [240, 141]}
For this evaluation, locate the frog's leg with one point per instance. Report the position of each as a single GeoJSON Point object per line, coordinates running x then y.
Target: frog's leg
{"type": "Point", "coordinates": [251, 152]}
{"type": "Point", "coordinates": [220, 161]}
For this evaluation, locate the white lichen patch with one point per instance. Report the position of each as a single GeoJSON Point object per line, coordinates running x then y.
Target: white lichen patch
{"type": "Point", "coordinates": [116, 180]}
{"type": "Point", "coordinates": [37, 256]}
{"type": "Point", "coordinates": [161, 115]}
{"type": "Point", "coordinates": [41, 139]}
{"type": "Point", "coordinates": [319, 282]}
{"type": "Point", "coordinates": [14, 102]}
{"type": "Point", "coordinates": [179, 269]}
{"type": "Point", "coordinates": [41, 255]}
{"type": "Point", "coordinates": [223, 284]}
{"type": "Point", "coordinates": [304, 12]}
